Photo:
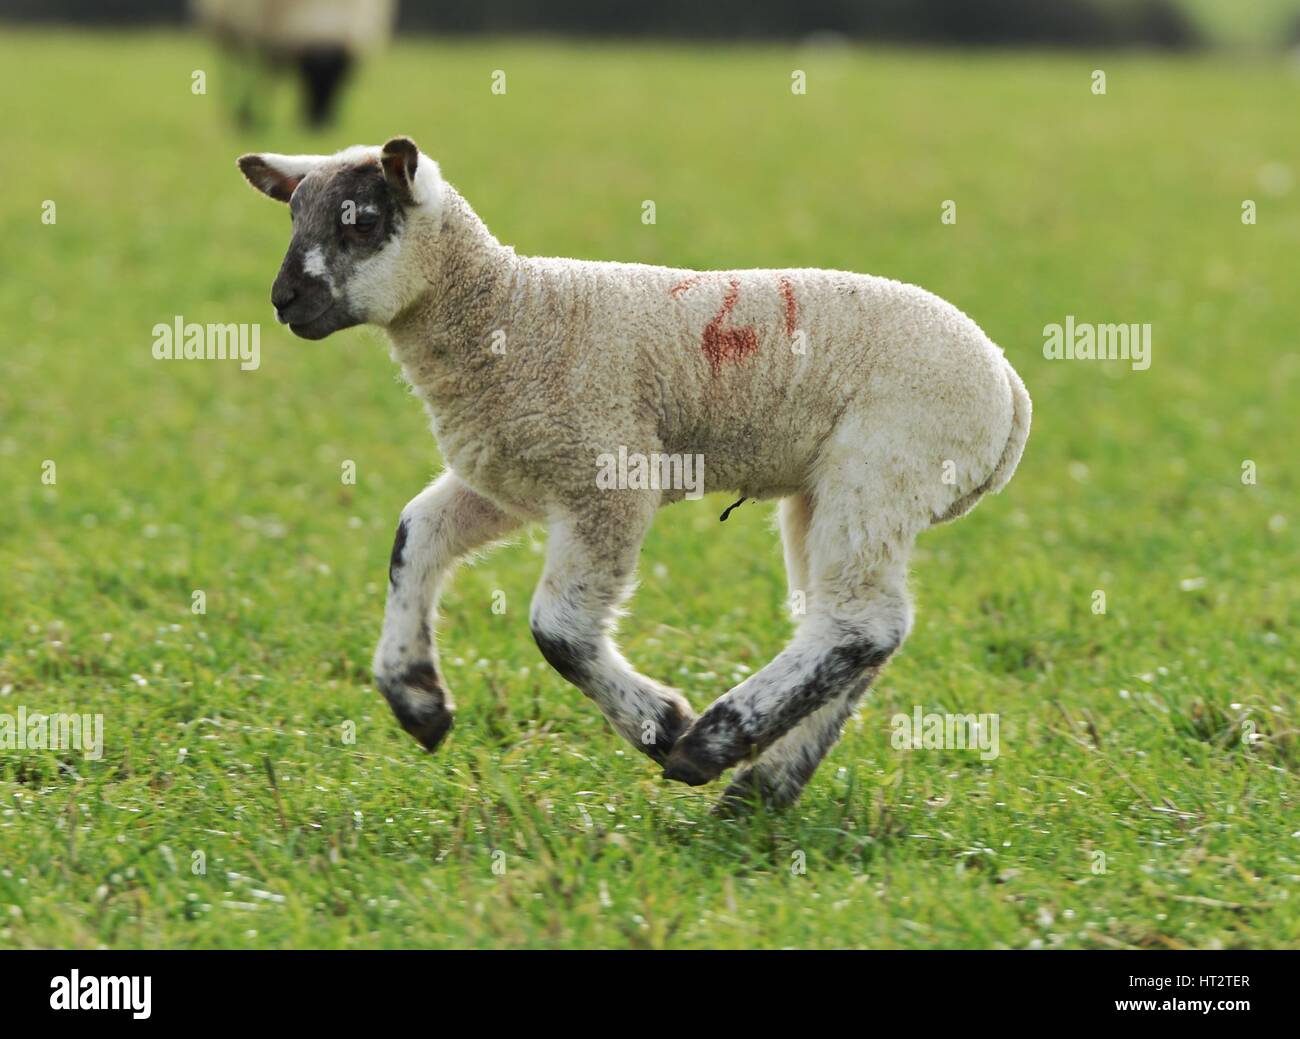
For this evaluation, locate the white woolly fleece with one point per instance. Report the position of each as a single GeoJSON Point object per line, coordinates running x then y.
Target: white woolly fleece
{"type": "Point", "coordinates": [786, 381]}
{"type": "Point", "coordinates": [872, 408]}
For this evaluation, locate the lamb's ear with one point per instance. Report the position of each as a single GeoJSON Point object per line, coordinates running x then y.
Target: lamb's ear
{"type": "Point", "coordinates": [413, 177]}
{"type": "Point", "coordinates": [277, 175]}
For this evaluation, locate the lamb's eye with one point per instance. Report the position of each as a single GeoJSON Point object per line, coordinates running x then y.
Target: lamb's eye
{"type": "Point", "coordinates": [364, 223]}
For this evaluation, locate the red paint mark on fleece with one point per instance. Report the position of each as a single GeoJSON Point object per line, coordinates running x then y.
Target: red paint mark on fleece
{"type": "Point", "coordinates": [682, 286]}
{"type": "Point", "coordinates": [727, 344]}
{"type": "Point", "coordinates": [791, 305]}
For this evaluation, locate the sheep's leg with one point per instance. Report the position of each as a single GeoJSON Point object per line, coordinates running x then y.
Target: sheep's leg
{"type": "Point", "coordinates": [796, 517]}
{"type": "Point", "coordinates": [835, 648]}
{"type": "Point", "coordinates": [438, 526]}
{"type": "Point", "coordinates": [781, 771]}
{"type": "Point", "coordinates": [858, 614]}
{"type": "Point", "coordinates": [590, 559]}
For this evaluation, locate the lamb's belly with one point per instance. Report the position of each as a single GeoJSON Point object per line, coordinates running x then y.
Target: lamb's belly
{"type": "Point", "coordinates": [761, 444]}
{"type": "Point", "coordinates": [760, 426]}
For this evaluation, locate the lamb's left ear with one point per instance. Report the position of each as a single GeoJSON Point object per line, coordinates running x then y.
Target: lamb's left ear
{"type": "Point", "coordinates": [413, 177]}
{"type": "Point", "coordinates": [278, 175]}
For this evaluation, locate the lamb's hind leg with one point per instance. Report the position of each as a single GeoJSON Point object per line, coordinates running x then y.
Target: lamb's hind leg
{"type": "Point", "coordinates": [590, 559]}
{"type": "Point", "coordinates": [439, 526]}
{"type": "Point", "coordinates": [857, 615]}
{"type": "Point", "coordinates": [781, 771]}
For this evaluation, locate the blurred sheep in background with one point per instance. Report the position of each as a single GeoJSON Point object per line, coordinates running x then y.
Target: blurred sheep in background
{"type": "Point", "coordinates": [319, 40]}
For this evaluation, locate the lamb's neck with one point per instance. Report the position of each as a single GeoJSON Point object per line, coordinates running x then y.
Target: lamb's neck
{"type": "Point", "coordinates": [469, 275]}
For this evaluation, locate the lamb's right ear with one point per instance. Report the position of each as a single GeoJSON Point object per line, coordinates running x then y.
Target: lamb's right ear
{"type": "Point", "coordinates": [277, 175]}
{"type": "Point", "coordinates": [412, 175]}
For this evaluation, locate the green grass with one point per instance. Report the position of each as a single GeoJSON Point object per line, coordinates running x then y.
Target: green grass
{"type": "Point", "coordinates": [1121, 733]}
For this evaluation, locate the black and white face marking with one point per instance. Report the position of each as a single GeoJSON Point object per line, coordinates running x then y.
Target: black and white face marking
{"type": "Point", "coordinates": [349, 211]}
{"type": "Point", "coordinates": [341, 219]}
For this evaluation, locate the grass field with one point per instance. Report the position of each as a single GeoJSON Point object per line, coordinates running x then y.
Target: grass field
{"type": "Point", "coordinates": [229, 807]}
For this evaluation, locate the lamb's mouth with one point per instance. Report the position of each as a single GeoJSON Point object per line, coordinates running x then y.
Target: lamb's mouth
{"type": "Point", "coordinates": [328, 320]}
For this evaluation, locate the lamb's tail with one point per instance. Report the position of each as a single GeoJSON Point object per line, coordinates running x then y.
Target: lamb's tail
{"type": "Point", "coordinates": [1021, 412]}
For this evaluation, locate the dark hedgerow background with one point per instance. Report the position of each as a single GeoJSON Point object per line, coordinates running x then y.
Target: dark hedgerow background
{"type": "Point", "coordinates": [1164, 23]}
{"type": "Point", "coordinates": [1146, 791]}
{"type": "Point", "coordinates": [1172, 24]}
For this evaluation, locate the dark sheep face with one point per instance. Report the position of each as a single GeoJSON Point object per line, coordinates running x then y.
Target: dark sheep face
{"type": "Point", "coordinates": [350, 212]}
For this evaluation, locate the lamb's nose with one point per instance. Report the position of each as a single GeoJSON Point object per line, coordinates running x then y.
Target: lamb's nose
{"type": "Point", "coordinates": [281, 297]}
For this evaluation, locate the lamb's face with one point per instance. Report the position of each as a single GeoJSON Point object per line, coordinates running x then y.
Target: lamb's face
{"type": "Point", "coordinates": [346, 263]}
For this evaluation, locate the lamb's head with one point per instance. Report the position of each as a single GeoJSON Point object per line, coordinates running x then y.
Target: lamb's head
{"type": "Point", "coordinates": [357, 216]}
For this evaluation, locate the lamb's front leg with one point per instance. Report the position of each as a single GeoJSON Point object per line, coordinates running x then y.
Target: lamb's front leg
{"type": "Point", "coordinates": [439, 526]}
{"type": "Point", "coordinates": [590, 559]}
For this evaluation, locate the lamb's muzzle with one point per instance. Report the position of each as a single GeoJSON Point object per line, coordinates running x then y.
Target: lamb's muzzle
{"type": "Point", "coordinates": [872, 409]}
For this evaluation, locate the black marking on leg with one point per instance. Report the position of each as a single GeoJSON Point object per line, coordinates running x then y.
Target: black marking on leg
{"type": "Point", "coordinates": [424, 676]}
{"type": "Point", "coordinates": [840, 666]}
{"type": "Point", "coordinates": [419, 703]}
{"type": "Point", "coordinates": [774, 786]}
{"type": "Point", "coordinates": [778, 784]}
{"type": "Point", "coordinates": [680, 768]}
{"type": "Point", "coordinates": [670, 722]}
{"type": "Point", "coordinates": [571, 658]}
{"type": "Point", "coordinates": [723, 736]}
{"type": "Point", "coordinates": [714, 743]}
{"type": "Point", "coordinates": [428, 725]}
{"type": "Point", "coordinates": [395, 559]}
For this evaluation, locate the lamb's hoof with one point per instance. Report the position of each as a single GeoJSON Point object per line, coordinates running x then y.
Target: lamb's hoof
{"type": "Point", "coordinates": [743, 795]}
{"type": "Point", "coordinates": [432, 730]}
{"type": "Point", "coordinates": [708, 748]}
{"type": "Point", "coordinates": [674, 721]}
{"type": "Point", "coordinates": [681, 769]}
{"type": "Point", "coordinates": [754, 789]}
{"type": "Point", "coordinates": [690, 763]}
{"type": "Point", "coordinates": [419, 704]}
